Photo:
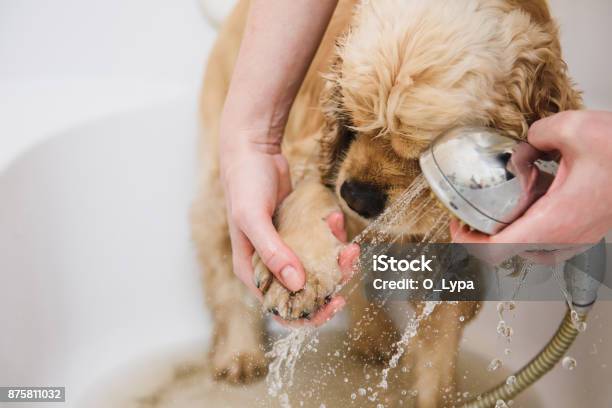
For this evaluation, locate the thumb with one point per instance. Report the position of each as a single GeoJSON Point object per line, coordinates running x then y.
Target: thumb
{"type": "Point", "coordinates": [274, 253]}
{"type": "Point", "coordinates": [554, 133]}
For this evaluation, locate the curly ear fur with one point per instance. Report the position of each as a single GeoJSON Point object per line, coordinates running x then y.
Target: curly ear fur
{"type": "Point", "coordinates": [408, 70]}
{"type": "Point", "coordinates": [539, 85]}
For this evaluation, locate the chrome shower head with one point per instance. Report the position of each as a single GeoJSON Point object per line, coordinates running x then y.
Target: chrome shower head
{"type": "Point", "coordinates": [485, 178]}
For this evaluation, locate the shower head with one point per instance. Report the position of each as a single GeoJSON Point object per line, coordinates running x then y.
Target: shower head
{"type": "Point", "coordinates": [485, 178]}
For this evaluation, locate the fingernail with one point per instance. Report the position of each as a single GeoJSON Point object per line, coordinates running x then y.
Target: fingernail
{"type": "Point", "coordinates": [290, 278]}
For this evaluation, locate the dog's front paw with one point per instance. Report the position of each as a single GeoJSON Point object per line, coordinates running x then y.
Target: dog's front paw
{"type": "Point", "coordinates": [236, 354]}
{"type": "Point", "coordinates": [239, 367]}
{"type": "Point", "coordinates": [318, 290]}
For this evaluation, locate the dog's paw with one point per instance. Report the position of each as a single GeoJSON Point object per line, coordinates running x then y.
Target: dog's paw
{"type": "Point", "coordinates": [239, 367]}
{"type": "Point", "coordinates": [237, 354]}
{"type": "Point", "coordinates": [278, 300]}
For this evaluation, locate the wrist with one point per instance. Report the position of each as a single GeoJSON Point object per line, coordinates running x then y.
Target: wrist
{"type": "Point", "coordinates": [236, 139]}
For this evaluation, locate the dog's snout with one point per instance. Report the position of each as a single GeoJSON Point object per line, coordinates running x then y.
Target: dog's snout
{"type": "Point", "coordinates": [365, 199]}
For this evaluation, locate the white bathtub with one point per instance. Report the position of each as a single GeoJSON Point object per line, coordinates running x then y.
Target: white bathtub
{"type": "Point", "coordinates": [96, 265]}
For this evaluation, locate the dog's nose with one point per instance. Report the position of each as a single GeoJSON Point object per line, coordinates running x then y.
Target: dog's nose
{"type": "Point", "coordinates": [365, 199]}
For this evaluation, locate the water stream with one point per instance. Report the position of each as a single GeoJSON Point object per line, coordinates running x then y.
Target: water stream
{"type": "Point", "coordinates": [376, 237]}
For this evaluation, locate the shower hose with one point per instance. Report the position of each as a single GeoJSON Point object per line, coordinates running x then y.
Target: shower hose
{"type": "Point", "coordinates": [543, 362]}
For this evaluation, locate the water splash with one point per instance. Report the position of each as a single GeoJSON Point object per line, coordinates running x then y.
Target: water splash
{"type": "Point", "coordinates": [511, 381]}
{"type": "Point", "coordinates": [494, 365]}
{"type": "Point", "coordinates": [409, 332]}
{"type": "Point", "coordinates": [284, 355]}
{"type": "Point", "coordinates": [380, 228]}
{"type": "Point", "coordinates": [569, 363]}
{"type": "Point", "coordinates": [503, 328]}
{"type": "Point", "coordinates": [557, 271]}
{"type": "Point", "coordinates": [286, 351]}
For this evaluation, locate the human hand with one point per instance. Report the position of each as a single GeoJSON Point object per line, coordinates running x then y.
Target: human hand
{"type": "Point", "coordinates": [256, 179]}
{"type": "Point", "coordinates": [347, 263]}
{"type": "Point", "coordinates": [577, 208]}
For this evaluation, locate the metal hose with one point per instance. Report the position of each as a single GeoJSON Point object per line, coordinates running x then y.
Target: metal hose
{"type": "Point", "coordinates": [534, 370]}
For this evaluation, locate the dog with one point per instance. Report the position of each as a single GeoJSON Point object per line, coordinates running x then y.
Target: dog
{"type": "Point", "coordinates": [388, 77]}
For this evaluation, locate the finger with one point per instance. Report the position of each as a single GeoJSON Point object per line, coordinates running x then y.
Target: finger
{"type": "Point", "coordinates": [455, 228]}
{"type": "Point", "coordinates": [538, 225]}
{"type": "Point", "coordinates": [491, 254]}
{"type": "Point", "coordinates": [335, 221]}
{"type": "Point", "coordinates": [554, 132]}
{"type": "Point", "coordinates": [242, 251]}
{"type": "Point", "coordinates": [277, 256]}
{"type": "Point", "coordinates": [328, 311]}
{"type": "Point", "coordinates": [462, 234]}
{"type": "Point", "coordinates": [325, 314]}
{"type": "Point", "coordinates": [348, 261]}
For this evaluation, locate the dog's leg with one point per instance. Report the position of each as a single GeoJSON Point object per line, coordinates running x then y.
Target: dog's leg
{"type": "Point", "coordinates": [432, 354]}
{"type": "Point", "coordinates": [236, 352]}
{"type": "Point", "coordinates": [301, 223]}
{"type": "Point", "coordinates": [372, 332]}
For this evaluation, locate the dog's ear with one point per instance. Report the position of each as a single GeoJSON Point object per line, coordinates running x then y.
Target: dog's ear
{"type": "Point", "coordinates": [539, 85]}
{"type": "Point", "coordinates": [337, 134]}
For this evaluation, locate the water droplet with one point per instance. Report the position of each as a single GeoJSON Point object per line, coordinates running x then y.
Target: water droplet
{"type": "Point", "coordinates": [503, 306]}
{"type": "Point", "coordinates": [569, 363]}
{"type": "Point", "coordinates": [284, 400]}
{"type": "Point", "coordinates": [578, 321]}
{"type": "Point", "coordinates": [361, 391]}
{"type": "Point", "coordinates": [574, 316]}
{"type": "Point", "coordinates": [353, 396]}
{"type": "Point", "coordinates": [500, 404]}
{"type": "Point", "coordinates": [504, 330]}
{"type": "Point", "coordinates": [428, 364]}
{"type": "Point", "coordinates": [345, 379]}
{"type": "Point", "coordinates": [404, 392]}
{"type": "Point", "coordinates": [404, 369]}
{"type": "Point", "coordinates": [495, 364]}
{"type": "Point", "coordinates": [466, 394]}
{"type": "Point", "coordinates": [511, 381]}
{"type": "Point", "coordinates": [414, 393]}
{"type": "Point", "coordinates": [380, 406]}
{"type": "Point", "coordinates": [507, 351]}
{"type": "Point", "coordinates": [461, 318]}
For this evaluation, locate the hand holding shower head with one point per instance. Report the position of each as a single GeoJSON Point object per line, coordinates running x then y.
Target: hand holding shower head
{"type": "Point", "coordinates": [484, 178]}
{"type": "Point", "coordinates": [488, 180]}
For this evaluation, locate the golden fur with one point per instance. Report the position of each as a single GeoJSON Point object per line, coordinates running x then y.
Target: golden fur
{"type": "Point", "coordinates": [388, 77]}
